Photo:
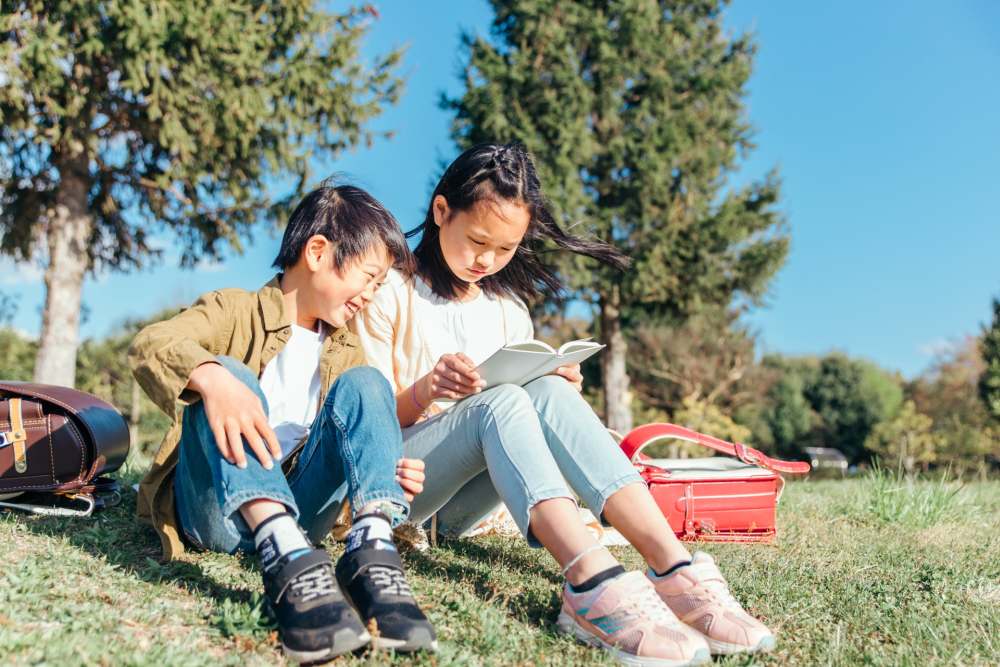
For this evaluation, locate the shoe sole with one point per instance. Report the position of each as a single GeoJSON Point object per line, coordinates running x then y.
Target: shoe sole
{"type": "Point", "coordinates": [381, 642]}
{"type": "Point", "coordinates": [724, 648]}
{"type": "Point", "coordinates": [568, 624]}
{"type": "Point", "coordinates": [402, 645]}
{"type": "Point", "coordinates": [341, 644]}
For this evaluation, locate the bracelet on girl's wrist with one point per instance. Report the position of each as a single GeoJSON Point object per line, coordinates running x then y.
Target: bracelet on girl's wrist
{"type": "Point", "coordinates": [413, 395]}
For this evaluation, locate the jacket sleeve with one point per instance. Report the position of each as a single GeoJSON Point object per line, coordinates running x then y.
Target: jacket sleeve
{"type": "Point", "coordinates": [163, 355]}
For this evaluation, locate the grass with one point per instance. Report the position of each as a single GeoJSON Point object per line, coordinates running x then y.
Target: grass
{"type": "Point", "coordinates": [896, 498]}
{"type": "Point", "coordinates": [872, 571]}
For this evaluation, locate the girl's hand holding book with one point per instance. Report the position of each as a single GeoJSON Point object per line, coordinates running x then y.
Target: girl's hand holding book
{"type": "Point", "coordinates": [572, 374]}
{"type": "Point", "coordinates": [454, 376]}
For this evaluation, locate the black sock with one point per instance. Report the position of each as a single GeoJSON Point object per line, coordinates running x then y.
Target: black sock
{"type": "Point", "coordinates": [673, 568]}
{"type": "Point", "coordinates": [597, 579]}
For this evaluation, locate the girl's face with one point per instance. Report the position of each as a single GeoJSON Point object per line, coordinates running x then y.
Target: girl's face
{"type": "Point", "coordinates": [480, 241]}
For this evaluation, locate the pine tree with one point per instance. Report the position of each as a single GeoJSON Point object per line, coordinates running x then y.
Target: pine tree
{"type": "Point", "coordinates": [634, 110]}
{"type": "Point", "coordinates": [120, 120]}
{"type": "Point", "coordinates": [989, 381]}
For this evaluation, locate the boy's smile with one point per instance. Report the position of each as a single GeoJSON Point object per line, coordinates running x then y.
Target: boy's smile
{"type": "Point", "coordinates": [350, 290]}
{"type": "Point", "coordinates": [315, 290]}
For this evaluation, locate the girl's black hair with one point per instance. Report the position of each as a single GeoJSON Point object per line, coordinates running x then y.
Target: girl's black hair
{"type": "Point", "coordinates": [351, 219]}
{"type": "Point", "coordinates": [503, 172]}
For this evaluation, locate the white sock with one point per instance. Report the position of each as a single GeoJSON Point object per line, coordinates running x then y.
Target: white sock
{"type": "Point", "coordinates": [369, 527]}
{"type": "Point", "coordinates": [279, 536]}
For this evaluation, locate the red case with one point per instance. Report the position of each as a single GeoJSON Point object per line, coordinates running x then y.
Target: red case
{"type": "Point", "coordinates": [716, 498]}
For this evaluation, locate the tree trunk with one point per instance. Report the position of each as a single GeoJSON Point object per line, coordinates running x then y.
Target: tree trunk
{"type": "Point", "coordinates": [68, 235]}
{"type": "Point", "coordinates": [617, 397]}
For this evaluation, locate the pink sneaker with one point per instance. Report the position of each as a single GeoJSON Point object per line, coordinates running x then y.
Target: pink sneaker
{"type": "Point", "coordinates": [625, 617]}
{"type": "Point", "coordinates": [700, 597]}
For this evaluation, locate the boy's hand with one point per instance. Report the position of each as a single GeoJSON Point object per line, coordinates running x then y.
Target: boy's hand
{"type": "Point", "coordinates": [572, 374]}
{"type": "Point", "coordinates": [410, 475]}
{"type": "Point", "coordinates": [453, 377]}
{"type": "Point", "coordinates": [235, 412]}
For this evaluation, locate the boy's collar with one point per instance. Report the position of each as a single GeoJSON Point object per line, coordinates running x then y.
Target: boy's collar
{"type": "Point", "coordinates": [272, 303]}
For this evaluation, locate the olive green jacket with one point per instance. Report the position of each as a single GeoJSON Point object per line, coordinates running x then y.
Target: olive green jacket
{"type": "Point", "coordinates": [251, 327]}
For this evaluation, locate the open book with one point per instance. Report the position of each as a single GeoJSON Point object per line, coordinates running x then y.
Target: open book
{"type": "Point", "coordinates": [520, 363]}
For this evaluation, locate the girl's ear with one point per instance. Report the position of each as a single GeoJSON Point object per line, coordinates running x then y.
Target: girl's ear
{"type": "Point", "coordinates": [440, 209]}
{"type": "Point", "coordinates": [317, 252]}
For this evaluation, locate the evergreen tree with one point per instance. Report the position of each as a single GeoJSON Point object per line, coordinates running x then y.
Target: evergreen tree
{"type": "Point", "coordinates": [634, 110]}
{"type": "Point", "coordinates": [122, 119]}
{"type": "Point", "coordinates": [989, 381]}
{"type": "Point", "coordinates": [852, 396]}
{"type": "Point", "coordinates": [790, 419]}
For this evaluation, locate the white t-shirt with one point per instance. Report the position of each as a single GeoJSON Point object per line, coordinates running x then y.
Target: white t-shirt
{"type": "Point", "coordinates": [407, 328]}
{"type": "Point", "coordinates": [290, 382]}
{"type": "Point", "coordinates": [475, 328]}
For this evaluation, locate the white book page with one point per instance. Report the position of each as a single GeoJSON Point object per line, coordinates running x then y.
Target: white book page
{"type": "Point", "coordinates": [531, 346]}
{"type": "Point", "coordinates": [576, 345]}
{"type": "Point", "coordinates": [508, 365]}
{"type": "Point", "coordinates": [554, 362]}
{"type": "Point", "coordinates": [521, 363]}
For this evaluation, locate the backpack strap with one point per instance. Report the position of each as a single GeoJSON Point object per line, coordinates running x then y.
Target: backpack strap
{"type": "Point", "coordinates": [642, 436]}
{"type": "Point", "coordinates": [16, 437]}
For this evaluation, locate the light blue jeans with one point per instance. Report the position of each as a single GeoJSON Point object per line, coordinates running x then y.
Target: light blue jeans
{"type": "Point", "coordinates": [519, 445]}
{"type": "Point", "coordinates": [350, 454]}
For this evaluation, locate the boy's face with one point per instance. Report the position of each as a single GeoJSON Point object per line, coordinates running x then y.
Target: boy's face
{"type": "Point", "coordinates": [337, 296]}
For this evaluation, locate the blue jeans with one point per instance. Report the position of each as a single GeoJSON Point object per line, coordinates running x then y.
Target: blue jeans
{"type": "Point", "coordinates": [350, 454]}
{"type": "Point", "coordinates": [520, 445]}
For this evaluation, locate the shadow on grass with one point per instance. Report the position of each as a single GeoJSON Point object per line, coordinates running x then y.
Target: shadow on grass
{"type": "Point", "coordinates": [133, 548]}
{"type": "Point", "coordinates": [474, 563]}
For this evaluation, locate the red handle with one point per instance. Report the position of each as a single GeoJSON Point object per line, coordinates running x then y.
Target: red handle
{"type": "Point", "coordinates": [638, 438]}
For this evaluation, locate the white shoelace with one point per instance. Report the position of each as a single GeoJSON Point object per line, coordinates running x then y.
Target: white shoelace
{"type": "Point", "coordinates": [390, 580]}
{"type": "Point", "coordinates": [314, 583]}
{"type": "Point", "coordinates": [711, 580]}
{"type": "Point", "coordinates": [647, 603]}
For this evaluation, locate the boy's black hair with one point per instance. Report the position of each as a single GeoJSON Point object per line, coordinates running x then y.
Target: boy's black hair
{"type": "Point", "coordinates": [351, 219]}
{"type": "Point", "coordinates": [502, 172]}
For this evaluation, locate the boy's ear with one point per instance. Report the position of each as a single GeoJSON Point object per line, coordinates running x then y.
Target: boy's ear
{"type": "Point", "coordinates": [440, 209]}
{"type": "Point", "coordinates": [317, 251]}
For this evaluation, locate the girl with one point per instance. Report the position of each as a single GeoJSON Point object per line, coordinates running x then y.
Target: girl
{"type": "Point", "coordinates": [540, 446]}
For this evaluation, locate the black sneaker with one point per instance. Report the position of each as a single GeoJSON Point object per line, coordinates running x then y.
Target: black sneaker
{"type": "Point", "coordinates": [372, 578]}
{"type": "Point", "coordinates": [315, 622]}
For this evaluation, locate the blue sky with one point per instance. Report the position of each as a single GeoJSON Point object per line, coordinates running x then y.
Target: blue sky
{"type": "Point", "coordinates": [882, 118]}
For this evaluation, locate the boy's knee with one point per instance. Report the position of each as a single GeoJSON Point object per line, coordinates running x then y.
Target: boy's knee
{"type": "Point", "coordinates": [366, 381]}
{"type": "Point", "coordinates": [240, 371]}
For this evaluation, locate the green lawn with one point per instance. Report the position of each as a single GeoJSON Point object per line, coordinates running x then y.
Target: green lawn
{"type": "Point", "coordinates": [861, 573]}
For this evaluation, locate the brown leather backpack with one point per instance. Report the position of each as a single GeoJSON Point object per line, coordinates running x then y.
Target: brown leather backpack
{"type": "Point", "coordinates": [56, 440]}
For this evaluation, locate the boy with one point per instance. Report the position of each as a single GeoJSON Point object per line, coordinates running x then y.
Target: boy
{"type": "Point", "coordinates": [277, 375]}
